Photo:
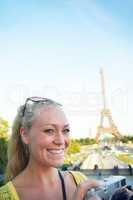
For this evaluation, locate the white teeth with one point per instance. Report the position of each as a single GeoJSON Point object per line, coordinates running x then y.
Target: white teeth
{"type": "Point", "coordinates": [56, 151]}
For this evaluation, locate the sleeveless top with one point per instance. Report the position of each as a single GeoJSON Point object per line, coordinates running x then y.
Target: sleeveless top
{"type": "Point", "coordinates": [8, 191]}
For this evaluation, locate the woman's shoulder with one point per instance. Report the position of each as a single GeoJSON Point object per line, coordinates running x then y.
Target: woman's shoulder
{"type": "Point", "coordinates": [78, 176]}
{"type": "Point", "coordinates": [7, 192]}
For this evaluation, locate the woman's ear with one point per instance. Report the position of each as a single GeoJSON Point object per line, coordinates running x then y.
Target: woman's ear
{"type": "Point", "coordinates": [24, 135]}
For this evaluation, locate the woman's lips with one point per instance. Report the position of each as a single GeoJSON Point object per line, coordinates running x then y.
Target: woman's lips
{"type": "Point", "coordinates": [56, 151]}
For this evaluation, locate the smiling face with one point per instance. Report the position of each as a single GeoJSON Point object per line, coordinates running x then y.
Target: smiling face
{"type": "Point", "coordinates": [48, 137]}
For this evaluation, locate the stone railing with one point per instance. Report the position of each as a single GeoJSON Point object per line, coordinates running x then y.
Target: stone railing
{"type": "Point", "coordinates": [123, 172]}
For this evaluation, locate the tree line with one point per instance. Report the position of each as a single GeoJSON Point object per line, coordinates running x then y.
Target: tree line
{"type": "Point", "coordinates": [4, 128]}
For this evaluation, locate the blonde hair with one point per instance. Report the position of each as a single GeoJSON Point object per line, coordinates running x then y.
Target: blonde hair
{"type": "Point", "coordinates": [18, 152]}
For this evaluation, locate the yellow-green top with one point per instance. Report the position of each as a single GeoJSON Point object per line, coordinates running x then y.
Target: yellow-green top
{"type": "Point", "coordinates": [8, 191]}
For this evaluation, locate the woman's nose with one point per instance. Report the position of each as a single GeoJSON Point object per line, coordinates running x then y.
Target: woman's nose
{"type": "Point", "coordinates": [59, 139]}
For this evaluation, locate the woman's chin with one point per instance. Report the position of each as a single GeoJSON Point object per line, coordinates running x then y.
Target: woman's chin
{"type": "Point", "coordinates": [59, 163]}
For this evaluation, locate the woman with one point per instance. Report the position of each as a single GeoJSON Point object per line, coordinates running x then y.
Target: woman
{"type": "Point", "coordinates": [39, 140]}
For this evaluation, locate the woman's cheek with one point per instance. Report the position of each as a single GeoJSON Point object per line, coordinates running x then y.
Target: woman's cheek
{"type": "Point", "coordinates": [67, 141]}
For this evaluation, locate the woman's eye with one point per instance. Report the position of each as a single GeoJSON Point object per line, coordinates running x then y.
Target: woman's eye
{"type": "Point", "coordinates": [49, 131]}
{"type": "Point", "coordinates": [66, 131]}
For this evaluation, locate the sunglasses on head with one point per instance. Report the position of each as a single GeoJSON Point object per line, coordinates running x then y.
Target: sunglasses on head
{"type": "Point", "coordinates": [37, 100]}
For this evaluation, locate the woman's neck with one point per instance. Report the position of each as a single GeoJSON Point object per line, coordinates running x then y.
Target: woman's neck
{"type": "Point", "coordinates": [37, 175]}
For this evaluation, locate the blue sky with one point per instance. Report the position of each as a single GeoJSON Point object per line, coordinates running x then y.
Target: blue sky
{"type": "Point", "coordinates": [56, 49]}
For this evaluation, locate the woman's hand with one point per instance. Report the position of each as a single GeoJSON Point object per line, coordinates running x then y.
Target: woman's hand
{"type": "Point", "coordinates": [83, 188]}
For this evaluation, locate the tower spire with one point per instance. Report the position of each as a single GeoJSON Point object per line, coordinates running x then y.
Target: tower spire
{"type": "Point", "coordinates": [103, 88]}
{"type": "Point", "coordinates": [105, 113]}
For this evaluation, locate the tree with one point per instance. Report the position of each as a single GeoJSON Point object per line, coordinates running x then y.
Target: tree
{"type": "Point", "coordinates": [3, 154]}
{"type": "Point", "coordinates": [4, 127]}
{"type": "Point", "coordinates": [86, 141]}
{"type": "Point", "coordinates": [74, 147]}
{"type": "Point", "coordinates": [128, 138]}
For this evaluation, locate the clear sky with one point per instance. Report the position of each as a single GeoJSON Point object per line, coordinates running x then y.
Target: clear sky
{"type": "Point", "coordinates": [56, 48]}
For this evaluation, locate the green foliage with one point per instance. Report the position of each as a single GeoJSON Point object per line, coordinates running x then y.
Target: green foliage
{"type": "Point", "coordinates": [125, 158]}
{"type": "Point", "coordinates": [3, 154]}
{"type": "Point", "coordinates": [76, 144]}
{"type": "Point", "coordinates": [3, 144]}
{"type": "Point", "coordinates": [126, 139]}
{"type": "Point", "coordinates": [86, 141]}
{"type": "Point", "coordinates": [4, 127]}
{"type": "Point", "coordinates": [74, 147]}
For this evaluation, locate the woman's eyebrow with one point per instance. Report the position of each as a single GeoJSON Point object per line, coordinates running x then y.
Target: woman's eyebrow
{"type": "Point", "coordinates": [66, 125]}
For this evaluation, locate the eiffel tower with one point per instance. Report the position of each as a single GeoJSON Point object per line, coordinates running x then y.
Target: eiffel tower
{"type": "Point", "coordinates": [106, 114]}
